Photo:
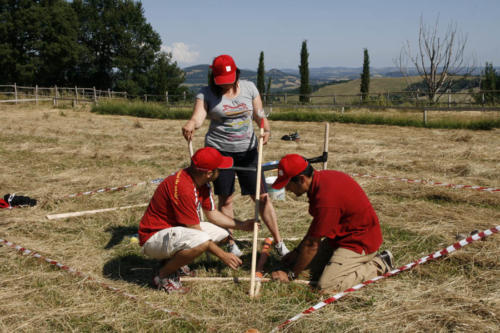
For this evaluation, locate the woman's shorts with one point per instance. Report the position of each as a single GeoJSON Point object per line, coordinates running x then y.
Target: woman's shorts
{"type": "Point", "coordinates": [224, 184]}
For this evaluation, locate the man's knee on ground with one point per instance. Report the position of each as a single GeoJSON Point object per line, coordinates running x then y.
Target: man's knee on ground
{"type": "Point", "coordinates": [335, 285]}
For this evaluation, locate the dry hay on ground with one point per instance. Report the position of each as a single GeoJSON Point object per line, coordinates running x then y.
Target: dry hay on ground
{"type": "Point", "coordinates": [48, 153]}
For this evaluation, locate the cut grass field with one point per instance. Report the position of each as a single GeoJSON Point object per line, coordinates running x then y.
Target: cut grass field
{"type": "Point", "coordinates": [48, 153]}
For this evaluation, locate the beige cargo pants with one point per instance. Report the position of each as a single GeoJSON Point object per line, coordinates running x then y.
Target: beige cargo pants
{"type": "Point", "coordinates": [339, 269]}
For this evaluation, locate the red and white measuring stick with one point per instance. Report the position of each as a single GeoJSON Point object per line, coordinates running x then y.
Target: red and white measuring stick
{"type": "Point", "coordinates": [111, 189]}
{"type": "Point", "coordinates": [435, 255]}
{"type": "Point", "coordinates": [429, 182]}
{"type": "Point", "coordinates": [73, 271]}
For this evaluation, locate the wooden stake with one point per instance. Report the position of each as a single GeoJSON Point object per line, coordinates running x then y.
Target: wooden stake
{"type": "Point", "coordinates": [325, 147]}
{"type": "Point", "coordinates": [88, 212]}
{"type": "Point", "coordinates": [257, 201]}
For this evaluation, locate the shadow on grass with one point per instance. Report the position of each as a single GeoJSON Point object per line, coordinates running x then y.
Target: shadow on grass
{"type": "Point", "coordinates": [118, 234]}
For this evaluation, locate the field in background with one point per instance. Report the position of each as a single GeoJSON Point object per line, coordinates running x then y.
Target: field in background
{"type": "Point", "coordinates": [48, 153]}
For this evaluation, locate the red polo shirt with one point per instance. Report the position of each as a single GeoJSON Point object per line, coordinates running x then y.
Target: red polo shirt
{"type": "Point", "coordinates": [175, 203]}
{"type": "Point", "coordinates": [342, 212]}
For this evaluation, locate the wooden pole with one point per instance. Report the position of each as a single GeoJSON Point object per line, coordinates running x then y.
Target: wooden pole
{"type": "Point", "coordinates": [76, 95]}
{"type": "Point", "coordinates": [36, 94]}
{"type": "Point", "coordinates": [325, 146]}
{"type": "Point", "coordinates": [88, 212]}
{"type": "Point", "coordinates": [191, 153]}
{"type": "Point", "coordinates": [257, 205]}
{"type": "Point", "coordinates": [15, 92]}
{"type": "Point", "coordinates": [425, 117]}
{"type": "Point", "coordinates": [95, 96]}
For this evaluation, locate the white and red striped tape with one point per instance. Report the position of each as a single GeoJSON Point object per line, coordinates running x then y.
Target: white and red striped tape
{"type": "Point", "coordinates": [112, 189]}
{"type": "Point", "coordinates": [73, 271]}
{"type": "Point", "coordinates": [406, 180]}
{"type": "Point", "coordinates": [429, 182]}
{"type": "Point", "coordinates": [435, 255]}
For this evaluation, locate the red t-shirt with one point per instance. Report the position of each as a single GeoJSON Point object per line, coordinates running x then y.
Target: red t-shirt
{"type": "Point", "coordinates": [176, 202]}
{"type": "Point", "coordinates": [342, 212]}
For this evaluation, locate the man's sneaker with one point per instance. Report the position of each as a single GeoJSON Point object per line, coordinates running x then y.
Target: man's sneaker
{"type": "Point", "coordinates": [281, 248]}
{"type": "Point", "coordinates": [186, 271]}
{"type": "Point", "coordinates": [234, 249]}
{"type": "Point", "coordinates": [387, 258]}
{"type": "Point", "coordinates": [170, 284]}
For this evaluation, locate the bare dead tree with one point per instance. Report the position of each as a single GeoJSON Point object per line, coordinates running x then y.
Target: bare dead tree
{"type": "Point", "coordinates": [439, 61]}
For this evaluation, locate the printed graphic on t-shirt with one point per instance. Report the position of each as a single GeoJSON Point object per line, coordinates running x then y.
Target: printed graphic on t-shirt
{"type": "Point", "coordinates": [236, 124]}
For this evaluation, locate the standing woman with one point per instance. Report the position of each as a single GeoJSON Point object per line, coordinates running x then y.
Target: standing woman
{"type": "Point", "coordinates": [231, 104]}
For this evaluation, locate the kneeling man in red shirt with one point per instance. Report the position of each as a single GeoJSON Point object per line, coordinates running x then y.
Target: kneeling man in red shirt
{"type": "Point", "coordinates": [344, 217]}
{"type": "Point", "coordinates": [171, 229]}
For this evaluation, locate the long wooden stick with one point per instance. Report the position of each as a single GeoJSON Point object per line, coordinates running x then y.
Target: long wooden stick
{"type": "Point", "coordinates": [264, 254]}
{"type": "Point", "coordinates": [257, 202]}
{"type": "Point", "coordinates": [234, 279]}
{"type": "Point", "coordinates": [325, 147]}
{"type": "Point", "coordinates": [89, 212]}
{"type": "Point", "coordinates": [191, 153]}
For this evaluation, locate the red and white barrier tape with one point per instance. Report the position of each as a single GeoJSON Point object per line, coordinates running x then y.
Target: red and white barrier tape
{"type": "Point", "coordinates": [429, 182]}
{"type": "Point", "coordinates": [73, 271]}
{"type": "Point", "coordinates": [435, 255]}
{"type": "Point", "coordinates": [111, 189]}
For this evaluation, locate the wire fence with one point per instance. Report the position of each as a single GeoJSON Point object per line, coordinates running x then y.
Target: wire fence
{"type": "Point", "coordinates": [453, 100]}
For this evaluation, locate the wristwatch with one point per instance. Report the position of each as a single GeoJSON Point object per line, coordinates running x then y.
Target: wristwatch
{"type": "Point", "coordinates": [291, 275]}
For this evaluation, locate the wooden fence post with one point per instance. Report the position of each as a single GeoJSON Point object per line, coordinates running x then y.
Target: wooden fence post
{"type": "Point", "coordinates": [55, 91]}
{"type": "Point", "coordinates": [334, 99]}
{"type": "Point", "coordinates": [109, 93]}
{"type": "Point", "coordinates": [449, 98]}
{"type": "Point", "coordinates": [184, 96]}
{"type": "Point", "coordinates": [284, 98]}
{"type": "Point", "coordinates": [145, 98]}
{"type": "Point", "coordinates": [15, 92]}
{"type": "Point", "coordinates": [76, 95]}
{"type": "Point", "coordinates": [36, 94]}
{"type": "Point", "coordinates": [425, 117]}
{"type": "Point", "coordinates": [95, 96]}
{"type": "Point", "coordinates": [166, 96]}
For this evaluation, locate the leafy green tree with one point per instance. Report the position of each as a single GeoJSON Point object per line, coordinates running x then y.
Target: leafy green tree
{"type": "Point", "coordinates": [365, 77]}
{"type": "Point", "coordinates": [305, 88]}
{"type": "Point", "coordinates": [166, 76]}
{"type": "Point", "coordinates": [260, 75]}
{"type": "Point", "coordinates": [121, 46]}
{"type": "Point", "coordinates": [38, 41]}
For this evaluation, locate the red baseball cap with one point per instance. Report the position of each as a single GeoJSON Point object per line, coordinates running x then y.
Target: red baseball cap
{"type": "Point", "coordinates": [224, 69]}
{"type": "Point", "coordinates": [290, 166]}
{"type": "Point", "coordinates": [209, 158]}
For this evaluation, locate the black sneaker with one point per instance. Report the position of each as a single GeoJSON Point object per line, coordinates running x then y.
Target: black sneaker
{"type": "Point", "coordinates": [387, 258]}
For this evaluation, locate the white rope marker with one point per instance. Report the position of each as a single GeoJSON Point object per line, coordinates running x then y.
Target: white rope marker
{"type": "Point", "coordinates": [25, 251]}
{"type": "Point", "coordinates": [458, 245]}
{"type": "Point", "coordinates": [429, 182]}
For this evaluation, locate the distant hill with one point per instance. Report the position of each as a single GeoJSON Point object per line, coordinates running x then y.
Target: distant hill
{"type": "Point", "coordinates": [197, 76]}
{"type": "Point", "coordinates": [287, 79]}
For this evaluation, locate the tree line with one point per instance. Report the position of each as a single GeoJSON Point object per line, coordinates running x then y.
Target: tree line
{"type": "Point", "coordinates": [101, 43]}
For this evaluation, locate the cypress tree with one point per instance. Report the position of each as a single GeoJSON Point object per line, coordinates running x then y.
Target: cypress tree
{"type": "Point", "coordinates": [488, 83]}
{"type": "Point", "coordinates": [260, 75]}
{"type": "Point", "coordinates": [305, 88]}
{"type": "Point", "coordinates": [268, 90]}
{"type": "Point", "coordinates": [365, 77]}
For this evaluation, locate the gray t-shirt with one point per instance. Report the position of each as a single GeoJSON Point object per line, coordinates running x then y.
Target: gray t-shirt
{"type": "Point", "coordinates": [231, 127]}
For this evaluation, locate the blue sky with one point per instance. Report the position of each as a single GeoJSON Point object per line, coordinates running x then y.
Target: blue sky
{"type": "Point", "coordinates": [336, 31]}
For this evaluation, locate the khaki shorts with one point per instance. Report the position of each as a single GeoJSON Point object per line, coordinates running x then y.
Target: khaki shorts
{"type": "Point", "coordinates": [339, 269]}
{"type": "Point", "coordinates": [167, 242]}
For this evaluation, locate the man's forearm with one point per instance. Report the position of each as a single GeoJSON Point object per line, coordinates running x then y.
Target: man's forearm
{"type": "Point", "coordinates": [307, 251]}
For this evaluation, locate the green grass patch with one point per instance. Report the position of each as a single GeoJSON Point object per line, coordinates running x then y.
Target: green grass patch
{"type": "Point", "coordinates": [161, 111]}
{"type": "Point", "coordinates": [140, 109]}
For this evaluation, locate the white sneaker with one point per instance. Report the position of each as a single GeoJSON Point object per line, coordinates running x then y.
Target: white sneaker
{"type": "Point", "coordinates": [234, 249]}
{"type": "Point", "coordinates": [281, 248]}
